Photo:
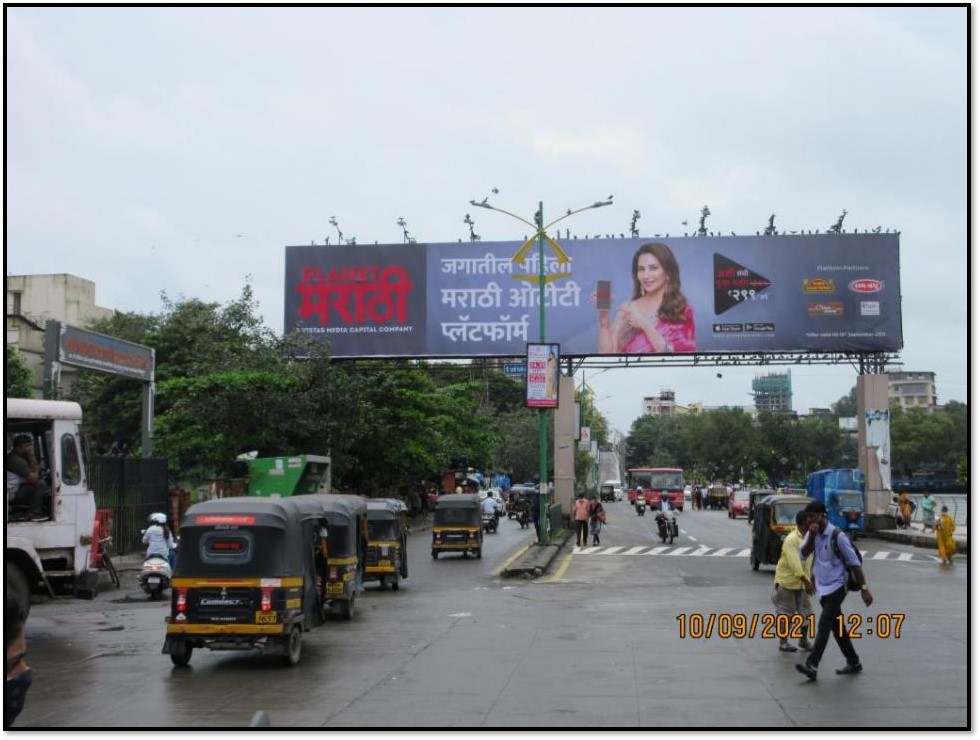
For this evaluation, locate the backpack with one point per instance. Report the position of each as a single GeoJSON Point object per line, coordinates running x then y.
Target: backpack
{"type": "Point", "coordinates": [852, 583]}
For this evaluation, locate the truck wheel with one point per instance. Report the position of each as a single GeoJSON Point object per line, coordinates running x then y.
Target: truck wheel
{"type": "Point", "coordinates": [18, 584]}
{"type": "Point", "coordinates": [181, 656]}
{"type": "Point", "coordinates": [294, 646]}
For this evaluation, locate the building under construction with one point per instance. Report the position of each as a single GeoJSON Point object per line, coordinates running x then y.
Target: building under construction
{"type": "Point", "coordinates": [773, 392]}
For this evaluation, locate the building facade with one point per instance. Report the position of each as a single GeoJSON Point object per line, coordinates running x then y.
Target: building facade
{"type": "Point", "coordinates": [32, 300]}
{"type": "Point", "coordinates": [912, 389]}
{"type": "Point", "coordinates": [773, 392]}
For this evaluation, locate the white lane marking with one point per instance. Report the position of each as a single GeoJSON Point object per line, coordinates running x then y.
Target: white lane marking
{"type": "Point", "coordinates": [657, 550]}
{"type": "Point", "coordinates": [611, 550]}
{"type": "Point", "coordinates": [702, 550]}
{"type": "Point", "coordinates": [679, 551]}
{"type": "Point", "coordinates": [721, 552]}
{"type": "Point", "coordinates": [880, 555]}
{"type": "Point", "coordinates": [635, 550]}
{"type": "Point", "coordinates": [905, 556]}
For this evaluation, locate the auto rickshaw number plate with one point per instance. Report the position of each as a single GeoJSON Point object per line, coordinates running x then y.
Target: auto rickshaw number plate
{"type": "Point", "coordinates": [384, 563]}
{"type": "Point", "coordinates": [335, 588]}
{"type": "Point", "coordinates": [266, 617]}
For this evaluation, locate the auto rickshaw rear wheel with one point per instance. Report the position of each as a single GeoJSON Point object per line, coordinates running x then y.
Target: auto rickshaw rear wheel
{"type": "Point", "coordinates": [180, 655]}
{"type": "Point", "coordinates": [347, 608]}
{"type": "Point", "coordinates": [294, 646]}
{"type": "Point", "coordinates": [479, 553]}
{"type": "Point", "coordinates": [394, 582]}
{"type": "Point", "coordinates": [755, 562]}
{"type": "Point", "coordinates": [435, 554]}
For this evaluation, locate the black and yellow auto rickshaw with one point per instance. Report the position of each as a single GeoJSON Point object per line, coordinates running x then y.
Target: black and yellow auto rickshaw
{"type": "Point", "coordinates": [717, 497]}
{"type": "Point", "coordinates": [251, 575]}
{"type": "Point", "coordinates": [457, 525]}
{"type": "Point", "coordinates": [775, 517]}
{"type": "Point", "coordinates": [755, 496]}
{"type": "Point", "coordinates": [386, 560]}
{"type": "Point", "coordinates": [348, 526]}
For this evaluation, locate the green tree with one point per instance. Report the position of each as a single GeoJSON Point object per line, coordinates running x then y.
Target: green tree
{"type": "Point", "coordinates": [18, 379]}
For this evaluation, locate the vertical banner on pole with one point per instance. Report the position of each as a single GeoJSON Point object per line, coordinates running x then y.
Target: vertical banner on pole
{"type": "Point", "coordinates": [541, 384]}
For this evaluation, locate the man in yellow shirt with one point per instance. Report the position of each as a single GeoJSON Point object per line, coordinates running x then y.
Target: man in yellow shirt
{"type": "Point", "coordinates": [792, 587]}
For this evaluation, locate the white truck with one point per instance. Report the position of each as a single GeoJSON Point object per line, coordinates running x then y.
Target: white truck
{"type": "Point", "coordinates": [52, 557]}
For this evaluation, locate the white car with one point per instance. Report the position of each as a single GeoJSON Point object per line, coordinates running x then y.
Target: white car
{"type": "Point", "coordinates": [618, 493]}
{"type": "Point", "coordinates": [687, 493]}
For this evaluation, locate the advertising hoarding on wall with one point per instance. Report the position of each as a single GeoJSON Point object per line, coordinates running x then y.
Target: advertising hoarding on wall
{"type": "Point", "coordinates": [737, 294]}
{"type": "Point", "coordinates": [541, 384]}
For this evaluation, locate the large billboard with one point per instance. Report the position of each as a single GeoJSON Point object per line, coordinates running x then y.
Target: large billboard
{"type": "Point", "coordinates": [636, 296]}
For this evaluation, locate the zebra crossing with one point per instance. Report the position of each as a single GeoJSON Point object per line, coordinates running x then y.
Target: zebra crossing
{"type": "Point", "coordinates": [698, 551]}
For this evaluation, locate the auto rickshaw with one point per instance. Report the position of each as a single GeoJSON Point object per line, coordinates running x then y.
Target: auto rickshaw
{"type": "Point", "coordinates": [348, 526]}
{"type": "Point", "coordinates": [607, 492]}
{"type": "Point", "coordinates": [775, 517]}
{"type": "Point", "coordinates": [457, 525]}
{"type": "Point", "coordinates": [717, 496]}
{"type": "Point", "coordinates": [755, 496]}
{"type": "Point", "coordinates": [252, 574]}
{"type": "Point", "coordinates": [387, 548]}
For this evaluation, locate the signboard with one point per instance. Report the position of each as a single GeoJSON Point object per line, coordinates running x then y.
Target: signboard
{"type": "Point", "coordinates": [89, 349]}
{"type": "Point", "coordinates": [586, 438]}
{"type": "Point", "coordinates": [739, 294]}
{"type": "Point", "coordinates": [517, 369]}
{"type": "Point", "coordinates": [541, 386]}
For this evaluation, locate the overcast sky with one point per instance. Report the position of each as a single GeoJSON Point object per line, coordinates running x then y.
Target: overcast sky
{"type": "Point", "coordinates": [180, 150]}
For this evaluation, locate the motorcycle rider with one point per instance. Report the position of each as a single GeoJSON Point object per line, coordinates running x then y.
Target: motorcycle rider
{"type": "Point", "coordinates": [490, 509]}
{"type": "Point", "coordinates": [158, 538]}
{"type": "Point", "coordinates": [665, 517]}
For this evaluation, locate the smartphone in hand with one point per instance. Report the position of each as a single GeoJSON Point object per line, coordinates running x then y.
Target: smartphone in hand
{"type": "Point", "coordinates": [603, 295]}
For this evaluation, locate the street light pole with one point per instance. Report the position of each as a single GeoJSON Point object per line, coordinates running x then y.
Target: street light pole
{"type": "Point", "coordinates": [541, 235]}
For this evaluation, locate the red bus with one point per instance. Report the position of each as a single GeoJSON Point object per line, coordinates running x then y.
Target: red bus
{"type": "Point", "coordinates": [654, 482]}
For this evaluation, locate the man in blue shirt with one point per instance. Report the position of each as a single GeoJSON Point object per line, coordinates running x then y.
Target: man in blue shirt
{"type": "Point", "coordinates": [830, 579]}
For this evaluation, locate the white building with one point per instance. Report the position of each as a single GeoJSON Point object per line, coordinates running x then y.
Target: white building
{"type": "Point", "coordinates": [33, 299]}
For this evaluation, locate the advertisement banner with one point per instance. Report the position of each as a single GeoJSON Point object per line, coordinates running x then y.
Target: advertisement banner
{"type": "Point", "coordinates": [878, 423]}
{"type": "Point", "coordinates": [630, 296]}
{"type": "Point", "coordinates": [541, 385]}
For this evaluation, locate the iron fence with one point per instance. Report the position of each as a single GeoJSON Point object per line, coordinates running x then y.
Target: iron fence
{"type": "Point", "coordinates": [132, 488]}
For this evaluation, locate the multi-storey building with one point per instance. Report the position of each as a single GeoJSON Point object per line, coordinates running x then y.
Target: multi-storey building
{"type": "Point", "coordinates": [912, 389]}
{"type": "Point", "coordinates": [33, 299]}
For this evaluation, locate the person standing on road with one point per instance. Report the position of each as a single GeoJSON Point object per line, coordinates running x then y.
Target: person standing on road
{"type": "Point", "coordinates": [597, 515]}
{"type": "Point", "coordinates": [928, 512]}
{"type": "Point", "coordinates": [581, 516]}
{"type": "Point", "coordinates": [830, 578]}
{"type": "Point", "coordinates": [944, 536]}
{"type": "Point", "coordinates": [905, 509]}
{"type": "Point", "coordinates": [19, 674]}
{"type": "Point", "coordinates": [793, 583]}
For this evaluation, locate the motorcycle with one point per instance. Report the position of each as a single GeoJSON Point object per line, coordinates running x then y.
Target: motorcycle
{"type": "Point", "coordinates": [489, 523]}
{"type": "Point", "coordinates": [155, 576]}
{"type": "Point", "coordinates": [641, 506]}
{"type": "Point", "coordinates": [667, 526]}
{"type": "Point", "coordinates": [523, 518]}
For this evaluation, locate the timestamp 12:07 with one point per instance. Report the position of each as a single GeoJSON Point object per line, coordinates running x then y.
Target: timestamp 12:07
{"type": "Point", "coordinates": [882, 626]}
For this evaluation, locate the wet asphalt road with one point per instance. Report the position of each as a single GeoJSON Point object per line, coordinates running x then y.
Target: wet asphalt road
{"type": "Point", "coordinates": [595, 643]}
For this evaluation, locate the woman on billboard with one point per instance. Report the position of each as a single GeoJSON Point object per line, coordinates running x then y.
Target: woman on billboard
{"type": "Point", "coordinates": [658, 318]}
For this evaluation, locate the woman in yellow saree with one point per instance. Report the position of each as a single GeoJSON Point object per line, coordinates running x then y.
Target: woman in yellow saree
{"type": "Point", "coordinates": [944, 536]}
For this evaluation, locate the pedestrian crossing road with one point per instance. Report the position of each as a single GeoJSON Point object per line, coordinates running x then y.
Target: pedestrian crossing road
{"type": "Point", "coordinates": [733, 552]}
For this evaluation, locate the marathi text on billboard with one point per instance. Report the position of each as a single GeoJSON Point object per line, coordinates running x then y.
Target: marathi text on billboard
{"type": "Point", "coordinates": [805, 293]}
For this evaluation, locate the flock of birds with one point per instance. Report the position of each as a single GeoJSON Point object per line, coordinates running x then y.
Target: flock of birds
{"type": "Point", "coordinates": [485, 203]}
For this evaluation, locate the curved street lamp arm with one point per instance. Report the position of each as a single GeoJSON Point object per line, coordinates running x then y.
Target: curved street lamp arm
{"type": "Point", "coordinates": [514, 215]}
{"type": "Point", "coordinates": [597, 204]}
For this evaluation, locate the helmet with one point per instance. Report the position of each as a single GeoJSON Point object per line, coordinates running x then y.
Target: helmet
{"type": "Point", "coordinates": [158, 518]}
